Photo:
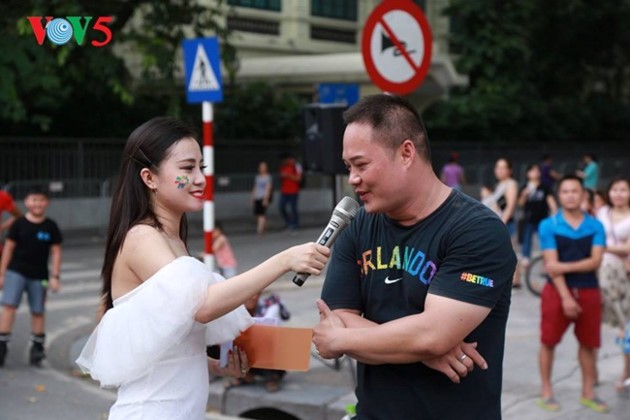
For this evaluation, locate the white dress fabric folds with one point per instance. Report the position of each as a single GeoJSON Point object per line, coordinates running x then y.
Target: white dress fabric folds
{"type": "Point", "coordinates": [150, 346]}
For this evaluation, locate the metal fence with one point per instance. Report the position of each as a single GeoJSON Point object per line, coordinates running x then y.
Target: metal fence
{"type": "Point", "coordinates": [72, 168]}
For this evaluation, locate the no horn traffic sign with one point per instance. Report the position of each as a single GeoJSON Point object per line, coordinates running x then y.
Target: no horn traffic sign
{"type": "Point", "coordinates": [396, 46]}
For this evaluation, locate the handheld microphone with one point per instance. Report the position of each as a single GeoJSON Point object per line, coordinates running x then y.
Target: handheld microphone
{"type": "Point", "coordinates": [341, 217]}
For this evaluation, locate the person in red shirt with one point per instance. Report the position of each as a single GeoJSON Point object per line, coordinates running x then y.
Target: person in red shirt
{"type": "Point", "coordinates": [7, 204]}
{"type": "Point", "coordinates": [290, 179]}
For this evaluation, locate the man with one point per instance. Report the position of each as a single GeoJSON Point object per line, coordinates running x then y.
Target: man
{"type": "Point", "coordinates": [548, 175]}
{"type": "Point", "coordinates": [590, 172]}
{"type": "Point", "coordinates": [573, 245]}
{"type": "Point", "coordinates": [422, 274]}
{"type": "Point", "coordinates": [290, 179]}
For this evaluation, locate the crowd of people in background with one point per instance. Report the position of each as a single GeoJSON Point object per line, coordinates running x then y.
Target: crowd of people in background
{"type": "Point", "coordinates": [582, 232]}
{"type": "Point", "coordinates": [584, 236]}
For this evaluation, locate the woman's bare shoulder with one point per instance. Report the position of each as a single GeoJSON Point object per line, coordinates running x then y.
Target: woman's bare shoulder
{"type": "Point", "coordinates": [146, 250]}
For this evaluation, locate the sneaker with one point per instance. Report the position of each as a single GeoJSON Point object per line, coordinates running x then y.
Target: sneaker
{"type": "Point", "coordinates": [548, 404]}
{"type": "Point", "coordinates": [37, 354]}
{"type": "Point", "coordinates": [595, 404]}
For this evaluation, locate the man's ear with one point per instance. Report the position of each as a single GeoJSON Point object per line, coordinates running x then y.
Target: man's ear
{"type": "Point", "coordinates": [407, 151]}
{"type": "Point", "coordinates": [147, 177]}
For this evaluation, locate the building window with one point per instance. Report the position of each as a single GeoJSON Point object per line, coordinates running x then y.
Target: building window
{"type": "Point", "coordinates": [330, 34]}
{"type": "Point", "coordinates": [274, 5]}
{"type": "Point", "coordinates": [335, 9]}
{"type": "Point", "coordinates": [258, 26]}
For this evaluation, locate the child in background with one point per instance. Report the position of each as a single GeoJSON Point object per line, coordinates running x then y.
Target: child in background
{"type": "Point", "coordinates": [226, 261]}
{"type": "Point", "coordinates": [265, 307]}
{"type": "Point", "coordinates": [32, 239]}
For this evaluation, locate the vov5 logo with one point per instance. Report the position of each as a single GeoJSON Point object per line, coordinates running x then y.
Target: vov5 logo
{"type": "Point", "coordinates": [59, 30]}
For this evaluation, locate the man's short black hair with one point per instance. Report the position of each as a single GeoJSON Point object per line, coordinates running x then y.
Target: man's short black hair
{"type": "Point", "coordinates": [570, 177]}
{"type": "Point", "coordinates": [393, 119]}
{"type": "Point", "coordinates": [37, 190]}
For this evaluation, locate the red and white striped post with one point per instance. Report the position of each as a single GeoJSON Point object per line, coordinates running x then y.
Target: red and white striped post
{"type": "Point", "coordinates": [208, 204]}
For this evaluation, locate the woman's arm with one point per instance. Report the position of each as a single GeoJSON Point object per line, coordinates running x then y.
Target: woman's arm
{"type": "Point", "coordinates": [225, 296]}
{"type": "Point", "coordinates": [511, 194]}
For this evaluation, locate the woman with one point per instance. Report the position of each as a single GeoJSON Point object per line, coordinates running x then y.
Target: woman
{"type": "Point", "coordinates": [502, 200]}
{"type": "Point", "coordinates": [613, 272]}
{"type": "Point", "coordinates": [261, 196]}
{"type": "Point", "coordinates": [151, 341]}
{"type": "Point", "coordinates": [537, 202]}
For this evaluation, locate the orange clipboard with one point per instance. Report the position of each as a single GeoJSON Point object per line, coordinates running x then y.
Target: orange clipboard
{"type": "Point", "coordinates": [275, 347]}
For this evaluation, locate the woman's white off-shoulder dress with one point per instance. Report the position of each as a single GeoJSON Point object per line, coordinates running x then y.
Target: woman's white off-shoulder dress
{"type": "Point", "coordinates": [150, 346]}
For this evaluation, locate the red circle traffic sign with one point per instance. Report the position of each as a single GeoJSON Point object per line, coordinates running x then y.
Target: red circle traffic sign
{"type": "Point", "coordinates": [396, 46]}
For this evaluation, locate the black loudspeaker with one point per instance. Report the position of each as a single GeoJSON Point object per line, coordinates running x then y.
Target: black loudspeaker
{"type": "Point", "coordinates": [322, 143]}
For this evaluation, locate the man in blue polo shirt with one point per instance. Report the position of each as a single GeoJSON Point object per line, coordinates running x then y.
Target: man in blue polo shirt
{"type": "Point", "coordinates": [573, 243]}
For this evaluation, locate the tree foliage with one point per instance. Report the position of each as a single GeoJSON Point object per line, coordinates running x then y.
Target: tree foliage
{"type": "Point", "coordinates": [539, 70]}
{"type": "Point", "coordinates": [258, 111]}
{"type": "Point", "coordinates": [82, 90]}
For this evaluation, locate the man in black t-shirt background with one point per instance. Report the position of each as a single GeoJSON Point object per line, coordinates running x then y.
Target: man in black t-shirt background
{"type": "Point", "coordinates": [33, 239]}
{"type": "Point", "coordinates": [418, 287]}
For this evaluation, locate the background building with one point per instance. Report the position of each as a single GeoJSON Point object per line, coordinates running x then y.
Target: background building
{"type": "Point", "coordinates": [298, 44]}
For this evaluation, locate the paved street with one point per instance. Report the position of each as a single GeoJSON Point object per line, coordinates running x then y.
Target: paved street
{"type": "Point", "coordinates": [57, 392]}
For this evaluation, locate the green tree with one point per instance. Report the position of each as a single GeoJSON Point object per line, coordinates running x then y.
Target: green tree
{"type": "Point", "coordinates": [539, 70]}
{"type": "Point", "coordinates": [257, 110]}
{"type": "Point", "coordinates": [82, 90]}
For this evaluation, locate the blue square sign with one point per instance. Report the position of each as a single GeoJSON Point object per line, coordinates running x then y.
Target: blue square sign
{"type": "Point", "coordinates": [203, 70]}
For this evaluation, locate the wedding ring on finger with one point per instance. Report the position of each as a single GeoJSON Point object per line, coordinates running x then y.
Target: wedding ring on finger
{"type": "Point", "coordinates": [462, 357]}
{"type": "Point", "coordinates": [243, 371]}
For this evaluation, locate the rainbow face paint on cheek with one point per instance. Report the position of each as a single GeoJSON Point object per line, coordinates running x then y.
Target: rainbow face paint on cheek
{"type": "Point", "coordinates": [182, 181]}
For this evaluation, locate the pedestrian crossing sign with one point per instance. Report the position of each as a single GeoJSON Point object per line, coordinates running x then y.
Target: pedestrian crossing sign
{"type": "Point", "coordinates": [203, 70]}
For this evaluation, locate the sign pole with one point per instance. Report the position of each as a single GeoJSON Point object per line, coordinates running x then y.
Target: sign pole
{"type": "Point", "coordinates": [208, 205]}
{"type": "Point", "coordinates": [202, 67]}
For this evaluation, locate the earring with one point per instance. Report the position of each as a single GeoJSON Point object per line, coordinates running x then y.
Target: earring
{"type": "Point", "coordinates": [154, 191]}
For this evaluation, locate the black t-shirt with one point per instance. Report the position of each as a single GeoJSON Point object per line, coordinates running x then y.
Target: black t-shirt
{"type": "Point", "coordinates": [461, 251]}
{"type": "Point", "coordinates": [32, 246]}
{"type": "Point", "coordinates": [536, 207]}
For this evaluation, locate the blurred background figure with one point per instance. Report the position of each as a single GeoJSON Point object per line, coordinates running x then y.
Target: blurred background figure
{"type": "Point", "coordinates": [272, 308]}
{"type": "Point", "coordinates": [589, 172]}
{"type": "Point", "coordinates": [537, 202]}
{"type": "Point", "coordinates": [226, 261]}
{"type": "Point", "coordinates": [7, 204]}
{"type": "Point", "coordinates": [593, 201]}
{"type": "Point", "coordinates": [453, 173]}
{"type": "Point", "coordinates": [290, 183]}
{"type": "Point", "coordinates": [503, 200]}
{"type": "Point", "coordinates": [262, 193]}
{"type": "Point", "coordinates": [548, 175]}
{"type": "Point", "coordinates": [614, 280]}
{"type": "Point", "coordinates": [33, 243]}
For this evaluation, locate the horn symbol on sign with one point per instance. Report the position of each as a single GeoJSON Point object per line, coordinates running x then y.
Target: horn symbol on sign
{"type": "Point", "coordinates": [387, 43]}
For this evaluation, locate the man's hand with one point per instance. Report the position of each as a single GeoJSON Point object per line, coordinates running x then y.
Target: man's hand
{"type": "Point", "coordinates": [570, 307]}
{"type": "Point", "coordinates": [460, 360]}
{"type": "Point", "coordinates": [54, 284]}
{"type": "Point", "coordinates": [324, 332]}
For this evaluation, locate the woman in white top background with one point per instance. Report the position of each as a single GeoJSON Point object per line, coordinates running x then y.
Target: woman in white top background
{"type": "Point", "coordinates": [613, 276]}
{"type": "Point", "coordinates": [161, 306]}
{"type": "Point", "coordinates": [503, 200]}
{"type": "Point", "coordinates": [261, 196]}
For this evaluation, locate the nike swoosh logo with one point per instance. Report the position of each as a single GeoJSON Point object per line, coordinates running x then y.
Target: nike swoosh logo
{"type": "Point", "coordinates": [390, 281]}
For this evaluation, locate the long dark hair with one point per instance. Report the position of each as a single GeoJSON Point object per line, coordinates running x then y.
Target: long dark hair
{"type": "Point", "coordinates": [147, 146]}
